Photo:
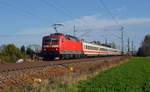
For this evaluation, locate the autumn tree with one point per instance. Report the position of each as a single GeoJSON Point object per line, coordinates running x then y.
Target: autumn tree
{"type": "Point", "coordinates": [144, 50]}
{"type": "Point", "coordinates": [10, 53]}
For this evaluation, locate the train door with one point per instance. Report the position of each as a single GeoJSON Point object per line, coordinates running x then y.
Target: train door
{"type": "Point", "coordinates": [62, 43]}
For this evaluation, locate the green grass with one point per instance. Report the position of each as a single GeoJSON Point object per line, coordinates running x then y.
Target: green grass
{"type": "Point", "coordinates": [133, 76]}
{"type": "Point", "coordinates": [44, 88]}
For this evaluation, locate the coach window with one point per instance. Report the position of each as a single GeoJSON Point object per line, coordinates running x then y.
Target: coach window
{"type": "Point", "coordinates": [89, 47]}
{"type": "Point", "coordinates": [62, 40]}
{"type": "Point", "coordinates": [84, 47]}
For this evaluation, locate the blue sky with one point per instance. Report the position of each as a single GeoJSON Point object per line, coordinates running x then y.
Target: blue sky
{"type": "Point", "coordinates": [26, 21]}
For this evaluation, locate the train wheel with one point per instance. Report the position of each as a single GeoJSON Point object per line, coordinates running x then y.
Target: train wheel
{"type": "Point", "coordinates": [76, 56]}
{"type": "Point", "coordinates": [71, 56]}
{"type": "Point", "coordinates": [62, 57]}
{"type": "Point", "coordinates": [66, 56]}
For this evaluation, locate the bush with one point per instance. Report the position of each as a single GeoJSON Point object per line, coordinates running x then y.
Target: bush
{"type": "Point", "coordinates": [30, 52]}
{"type": "Point", "coordinates": [10, 53]}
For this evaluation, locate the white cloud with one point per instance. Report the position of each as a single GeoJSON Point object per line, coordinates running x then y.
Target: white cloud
{"type": "Point", "coordinates": [86, 23]}
{"type": "Point", "coordinates": [135, 21]}
{"type": "Point", "coordinates": [118, 10]}
{"type": "Point", "coordinates": [92, 25]}
{"type": "Point", "coordinates": [95, 23]}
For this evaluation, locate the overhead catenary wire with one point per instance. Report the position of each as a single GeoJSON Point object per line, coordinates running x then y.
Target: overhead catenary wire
{"type": "Point", "coordinates": [10, 5]}
{"type": "Point", "coordinates": [116, 22]}
{"type": "Point", "coordinates": [63, 10]}
{"type": "Point", "coordinates": [67, 12]}
{"type": "Point", "coordinates": [109, 12]}
{"type": "Point", "coordinates": [21, 11]}
{"type": "Point", "coordinates": [49, 3]}
{"type": "Point", "coordinates": [103, 29]}
{"type": "Point", "coordinates": [29, 13]}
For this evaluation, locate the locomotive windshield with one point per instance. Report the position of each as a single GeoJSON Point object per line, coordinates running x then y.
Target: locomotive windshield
{"type": "Point", "coordinates": [51, 40]}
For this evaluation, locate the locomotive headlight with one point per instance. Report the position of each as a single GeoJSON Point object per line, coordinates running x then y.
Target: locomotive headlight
{"type": "Point", "coordinates": [44, 49]}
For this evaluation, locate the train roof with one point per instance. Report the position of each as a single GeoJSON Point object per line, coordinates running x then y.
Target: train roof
{"type": "Point", "coordinates": [55, 34]}
{"type": "Point", "coordinates": [101, 46]}
{"type": "Point", "coordinates": [69, 37]}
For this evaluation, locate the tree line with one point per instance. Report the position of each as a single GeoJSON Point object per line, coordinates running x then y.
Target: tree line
{"type": "Point", "coordinates": [11, 53]}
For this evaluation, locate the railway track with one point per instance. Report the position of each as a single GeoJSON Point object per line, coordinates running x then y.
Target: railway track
{"type": "Point", "coordinates": [28, 65]}
{"type": "Point", "coordinates": [15, 74]}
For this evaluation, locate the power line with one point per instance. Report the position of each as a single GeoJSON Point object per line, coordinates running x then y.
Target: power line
{"type": "Point", "coordinates": [114, 19]}
{"type": "Point", "coordinates": [22, 11]}
{"type": "Point", "coordinates": [52, 4]}
{"type": "Point", "coordinates": [7, 4]}
{"type": "Point", "coordinates": [108, 11]}
{"type": "Point", "coordinates": [62, 10]}
{"type": "Point", "coordinates": [117, 22]}
{"type": "Point", "coordinates": [119, 37]}
{"type": "Point", "coordinates": [70, 15]}
{"type": "Point", "coordinates": [66, 12]}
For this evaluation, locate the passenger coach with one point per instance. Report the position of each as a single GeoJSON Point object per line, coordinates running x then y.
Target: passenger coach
{"type": "Point", "coordinates": [90, 49]}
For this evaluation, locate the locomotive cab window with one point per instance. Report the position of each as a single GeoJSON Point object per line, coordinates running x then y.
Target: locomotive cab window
{"type": "Point", "coordinates": [51, 40]}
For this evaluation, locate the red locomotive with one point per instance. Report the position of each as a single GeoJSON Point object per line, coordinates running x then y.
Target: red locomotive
{"type": "Point", "coordinates": [61, 46]}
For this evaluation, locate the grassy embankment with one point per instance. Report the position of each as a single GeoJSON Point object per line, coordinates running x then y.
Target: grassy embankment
{"type": "Point", "coordinates": [133, 76]}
